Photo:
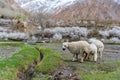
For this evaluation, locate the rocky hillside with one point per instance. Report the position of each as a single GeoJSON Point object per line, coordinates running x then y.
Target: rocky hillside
{"type": "Point", "coordinates": [74, 9]}
{"type": "Point", "coordinates": [90, 9]}
{"type": "Point", "coordinates": [11, 9]}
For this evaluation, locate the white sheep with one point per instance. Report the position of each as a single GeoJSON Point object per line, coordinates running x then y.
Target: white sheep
{"type": "Point", "coordinates": [91, 52]}
{"type": "Point", "coordinates": [76, 48]}
{"type": "Point", "coordinates": [100, 46]}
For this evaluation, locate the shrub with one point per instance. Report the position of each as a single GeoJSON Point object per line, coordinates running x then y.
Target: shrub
{"type": "Point", "coordinates": [115, 39]}
{"type": "Point", "coordinates": [3, 35]}
{"type": "Point", "coordinates": [105, 33]}
{"type": "Point", "coordinates": [15, 35]}
{"type": "Point", "coordinates": [114, 32]}
{"type": "Point", "coordinates": [71, 32]}
{"type": "Point", "coordinates": [18, 17]}
{"type": "Point", "coordinates": [57, 36]}
{"type": "Point", "coordinates": [93, 33]}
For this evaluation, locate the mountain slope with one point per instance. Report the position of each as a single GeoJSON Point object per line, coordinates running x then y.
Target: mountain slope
{"type": "Point", "coordinates": [74, 9]}
{"type": "Point", "coordinates": [10, 8]}
{"type": "Point", "coordinates": [91, 9]}
{"type": "Point", "coordinates": [44, 5]}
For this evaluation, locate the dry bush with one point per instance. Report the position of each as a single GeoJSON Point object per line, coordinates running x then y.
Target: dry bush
{"type": "Point", "coordinates": [57, 37]}
{"type": "Point", "coordinates": [39, 19]}
{"type": "Point", "coordinates": [115, 39]}
{"type": "Point", "coordinates": [15, 36]}
{"type": "Point", "coordinates": [93, 33]}
{"type": "Point", "coordinates": [69, 32]}
{"type": "Point", "coordinates": [114, 32]}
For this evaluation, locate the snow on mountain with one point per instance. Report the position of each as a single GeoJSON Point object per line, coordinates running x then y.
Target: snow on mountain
{"type": "Point", "coordinates": [90, 9]}
{"type": "Point", "coordinates": [44, 5]}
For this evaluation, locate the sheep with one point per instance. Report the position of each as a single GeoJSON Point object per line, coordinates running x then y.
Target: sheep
{"type": "Point", "coordinates": [91, 52]}
{"type": "Point", "coordinates": [76, 48]}
{"type": "Point", "coordinates": [100, 46]}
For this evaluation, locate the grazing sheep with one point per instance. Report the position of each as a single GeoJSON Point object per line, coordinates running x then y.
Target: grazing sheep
{"type": "Point", "coordinates": [91, 52]}
{"type": "Point", "coordinates": [100, 46]}
{"type": "Point", "coordinates": [76, 48]}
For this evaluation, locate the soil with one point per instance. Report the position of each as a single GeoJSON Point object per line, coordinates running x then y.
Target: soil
{"type": "Point", "coordinates": [7, 51]}
{"type": "Point", "coordinates": [111, 53]}
{"type": "Point", "coordinates": [64, 73]}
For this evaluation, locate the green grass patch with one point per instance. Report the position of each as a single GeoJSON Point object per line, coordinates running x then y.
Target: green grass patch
{"type": "Point", "coordinates": [11, 43]}
{"type": "Point", "coordinates": [113, 43]}
{"type": "Point", "coordinates": [39, 78]}
{"type": "Point", "coordinates": [52, 59]}
{"type": "Point", "coordinates": [100, 76]}
{"type": "Point", "coordinates": [21, 59]}
{"type": "Point", "coordinates": [9, 68]}
{"type": "Point", "coordinates": [105, 71]}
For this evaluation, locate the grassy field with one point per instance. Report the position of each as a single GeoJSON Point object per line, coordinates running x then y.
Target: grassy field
{"type": "Point", "coordinates": [23, 58]}
{"type": "Point", "coordinates": [53, 58]}
{"type": "Point", "coordinates": [107, 70]}
{"type": "Point", "coordinates": [19, 60]}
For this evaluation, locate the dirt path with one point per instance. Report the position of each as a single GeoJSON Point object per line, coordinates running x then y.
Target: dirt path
{"type": "Point", "coordinates": [111, 53]}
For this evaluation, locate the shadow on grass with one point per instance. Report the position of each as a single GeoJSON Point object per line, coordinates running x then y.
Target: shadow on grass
{"type": "Point", "coordinates": [70, 61]}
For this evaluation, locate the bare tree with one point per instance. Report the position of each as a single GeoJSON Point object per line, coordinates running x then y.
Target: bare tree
{"type": "Point", "coordinates": [39, 19]}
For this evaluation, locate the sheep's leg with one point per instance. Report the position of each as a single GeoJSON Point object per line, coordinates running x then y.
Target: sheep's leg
{"type": "Point", "coordinates": [95, 56]}
{"type": "Point", "coordinates": [85, 56]}
{"type": "Point", "coordinates": [88, 56]}
{"type": "Point", "coordinates": [82, 57]}
{"type": "Point", "coordinates": [77, 56]}
{"type": "Point", "coordinates": [100, 55]}
{"type": "Point", "coordinates": [73, 57]}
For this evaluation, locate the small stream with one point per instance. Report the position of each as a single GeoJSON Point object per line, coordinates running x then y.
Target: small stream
{"type": "Point", "coordinates": [27, 74]}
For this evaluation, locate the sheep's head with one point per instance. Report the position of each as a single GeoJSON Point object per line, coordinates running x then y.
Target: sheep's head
{"type": "Point", "coordinates": [65, 45]}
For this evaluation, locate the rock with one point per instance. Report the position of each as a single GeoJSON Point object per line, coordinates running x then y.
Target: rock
{"type": "Point", "coordinates": [64, 73]}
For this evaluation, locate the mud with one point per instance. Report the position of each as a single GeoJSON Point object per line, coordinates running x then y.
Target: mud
{"type": "Point", "coordinates": [64, 73]}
